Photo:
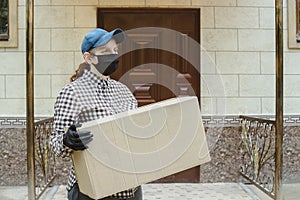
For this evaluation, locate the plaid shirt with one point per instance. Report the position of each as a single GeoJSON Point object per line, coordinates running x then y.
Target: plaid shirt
{"type": "Point", "coordinates": [88, 98]}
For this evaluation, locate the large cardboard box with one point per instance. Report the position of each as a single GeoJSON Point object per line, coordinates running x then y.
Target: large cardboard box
{"type": "Point", "coordinates": [140, 146]}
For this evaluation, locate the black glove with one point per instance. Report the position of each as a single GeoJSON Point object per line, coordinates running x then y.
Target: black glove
{"type": "Point", "coordinates": [77, 140]}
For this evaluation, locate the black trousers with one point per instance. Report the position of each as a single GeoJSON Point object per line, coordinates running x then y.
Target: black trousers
{"type": "Point", "coordinates": [75, 194]}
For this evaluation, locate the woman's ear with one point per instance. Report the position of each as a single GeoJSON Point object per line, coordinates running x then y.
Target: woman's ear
{"type": "Point", "coordinates": [87, 57]}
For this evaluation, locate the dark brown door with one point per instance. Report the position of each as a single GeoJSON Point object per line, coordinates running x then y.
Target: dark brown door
{"type": "Point", "coordinates": [143, 68]}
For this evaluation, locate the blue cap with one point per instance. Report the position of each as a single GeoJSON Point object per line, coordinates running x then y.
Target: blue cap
{"type": "Point", "coordinates": [99, 37]}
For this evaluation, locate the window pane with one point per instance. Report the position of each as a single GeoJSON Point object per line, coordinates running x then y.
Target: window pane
{"type": "Point", "coordinates": [4, 17]}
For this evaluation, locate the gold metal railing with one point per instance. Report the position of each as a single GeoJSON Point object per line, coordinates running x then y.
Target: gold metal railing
{"type": "Point", "coordinates": [258, 153]}
{"type": "Point", "coordinates": [45, 163]}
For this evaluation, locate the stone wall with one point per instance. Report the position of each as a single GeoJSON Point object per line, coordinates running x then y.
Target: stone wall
{"type": "Point", "coordinates": [13, 160]}
{"type": "Point", "coordinates": [237, 37]}
{"type": "Point", "coordinates": [226, 157]}
{"type": "Point", "coordinates": [291, 155]}
{"type": "Point", "coordinates": [13, 167]}
{"type": "Point", "coordinates": [224, 143]}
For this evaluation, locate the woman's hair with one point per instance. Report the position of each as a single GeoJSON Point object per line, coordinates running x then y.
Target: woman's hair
{"type": "Point", "coordinates": [79, 71]}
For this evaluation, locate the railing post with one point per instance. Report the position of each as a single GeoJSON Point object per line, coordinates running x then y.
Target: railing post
{"type": "Point", "coordinates": [30, 99]}
{"type": "Point", "coordinates": [279, 99]}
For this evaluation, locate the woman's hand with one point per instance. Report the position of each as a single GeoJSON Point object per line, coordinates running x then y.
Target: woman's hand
{"type": "Point", "coordinates": [77, 140]}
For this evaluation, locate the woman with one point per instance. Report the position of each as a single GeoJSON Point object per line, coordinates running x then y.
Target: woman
{"type": "Point", "coordinates": [91, 95]}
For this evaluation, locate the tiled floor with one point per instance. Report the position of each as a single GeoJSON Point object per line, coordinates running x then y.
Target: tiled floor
{"type": "Point", "coordinates": [175, 191]}
{"type": "Point", "coordinates": [13, 193]}
{"type": "Point", "coordinates": [217, 191]}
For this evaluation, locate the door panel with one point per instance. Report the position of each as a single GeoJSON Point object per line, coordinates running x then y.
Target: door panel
{"type": "Point", "coordinates": [143, 71]}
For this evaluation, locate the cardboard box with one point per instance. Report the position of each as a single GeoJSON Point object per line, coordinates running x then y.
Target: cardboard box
{"type": "Point", "coordinates": [140, 146]}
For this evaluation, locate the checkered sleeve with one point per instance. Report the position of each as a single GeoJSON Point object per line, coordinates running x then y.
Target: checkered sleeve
{"type": "Point", "coordinates": [126, 97]}
{"type": "Point", "coordinates": [65, 112]}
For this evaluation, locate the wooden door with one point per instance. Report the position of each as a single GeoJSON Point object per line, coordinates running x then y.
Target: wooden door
{"type": "Point", "coordinates": [143, 66]}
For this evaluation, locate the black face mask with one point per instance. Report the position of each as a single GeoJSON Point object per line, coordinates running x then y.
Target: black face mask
{"type": "Point", "coordinates": [107, 64]}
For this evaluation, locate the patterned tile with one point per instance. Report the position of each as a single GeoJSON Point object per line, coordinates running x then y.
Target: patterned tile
{"type": "Point", "coordinates": [208, 120]}
{"type": "Point", "coordinates": [204, 191]}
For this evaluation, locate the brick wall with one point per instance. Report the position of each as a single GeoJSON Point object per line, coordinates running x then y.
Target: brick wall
{"type": "Point", "coordinates": [237, 37]}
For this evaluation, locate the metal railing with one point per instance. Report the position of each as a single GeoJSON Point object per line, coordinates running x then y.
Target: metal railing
{"type": "Point", "coordinates": [45, 163]}
{"type": "Point", "coordinates": [258, 153]}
